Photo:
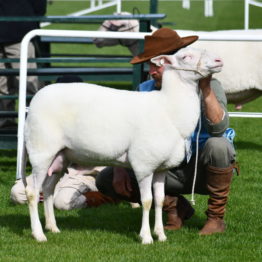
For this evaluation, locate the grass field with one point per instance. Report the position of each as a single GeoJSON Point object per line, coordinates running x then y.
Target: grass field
{"type": "Point", "coordinates": [110, 233]}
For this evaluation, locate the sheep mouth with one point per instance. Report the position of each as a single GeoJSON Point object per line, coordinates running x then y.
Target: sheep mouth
{"type": "Point", "coordinates": [216, 68]}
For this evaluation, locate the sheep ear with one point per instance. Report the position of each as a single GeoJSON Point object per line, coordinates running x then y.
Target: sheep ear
{"type": "Point", "coordinates": [161, 60]}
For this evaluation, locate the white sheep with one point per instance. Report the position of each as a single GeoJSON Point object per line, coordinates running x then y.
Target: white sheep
{"type": "Point", "coordinates": [142, 130]}
{"type": "Point", "coordinates": [241, 77]}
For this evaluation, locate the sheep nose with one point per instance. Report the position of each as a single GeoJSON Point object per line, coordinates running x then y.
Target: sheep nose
{"type": "Point", "coordinates": [219, 61]}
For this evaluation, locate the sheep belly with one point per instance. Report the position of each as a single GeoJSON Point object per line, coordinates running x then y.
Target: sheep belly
{"type": "Point", "coordinates": [92, 159]}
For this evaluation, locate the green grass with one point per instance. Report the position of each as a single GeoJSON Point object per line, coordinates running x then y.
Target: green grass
{"type": "Point", "coordinates": [110, 233]}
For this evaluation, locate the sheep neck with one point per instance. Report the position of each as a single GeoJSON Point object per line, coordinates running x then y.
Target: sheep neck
{"type": "Point", "coordinates": [183, 103]}
{"type": "Point", "coordinates": [174, 84]}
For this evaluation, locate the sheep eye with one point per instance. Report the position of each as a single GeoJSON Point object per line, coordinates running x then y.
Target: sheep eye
{"type": "Point", "coordinates": [162, 61]}
{"type": "Point", "coordinates": [186, 57]}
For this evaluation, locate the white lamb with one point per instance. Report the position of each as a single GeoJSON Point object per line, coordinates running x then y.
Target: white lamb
{"type": "Point", "coordinates": [143, 130]}
{"type": "Point", "coordinates": [241, 77]}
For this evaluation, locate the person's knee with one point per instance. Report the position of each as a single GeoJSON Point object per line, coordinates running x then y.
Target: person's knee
{"type": "Point", "coordinates": [218, 152]}
{"type": "Point", "coordinates": [17, 196]}
{"type": "Point", "coordinates": [63, 201]}
{"type": "Point", "coordinates": [17, 193]}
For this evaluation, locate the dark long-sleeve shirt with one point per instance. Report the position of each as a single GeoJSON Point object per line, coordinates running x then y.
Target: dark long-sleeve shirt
{"type": "Point", "coordinates": [13, 32]}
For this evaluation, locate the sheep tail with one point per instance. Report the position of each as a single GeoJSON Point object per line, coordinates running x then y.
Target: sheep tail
{"type": "Point", "coordinates": [24, 159]}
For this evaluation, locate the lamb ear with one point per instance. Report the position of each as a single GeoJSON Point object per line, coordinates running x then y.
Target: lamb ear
{"type": "Point", "coordinates": [162, 60]}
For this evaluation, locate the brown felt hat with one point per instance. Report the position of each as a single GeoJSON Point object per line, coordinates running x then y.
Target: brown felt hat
{"type": "Point", "coordinates": [162, 41]}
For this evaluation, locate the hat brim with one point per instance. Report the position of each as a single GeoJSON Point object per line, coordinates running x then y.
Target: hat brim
{"type": "Point", "coordinates": [143, 57]}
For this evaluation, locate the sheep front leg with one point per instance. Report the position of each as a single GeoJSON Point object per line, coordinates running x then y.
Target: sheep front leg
{"type": "Point", "coordinates": [32, 198]}
{"type": "Point", "coordinates": [146, 200]}
{"type": "Point", "coordinates": [159, 195]}
{"type": "Point", "coordinates": [50, 223]}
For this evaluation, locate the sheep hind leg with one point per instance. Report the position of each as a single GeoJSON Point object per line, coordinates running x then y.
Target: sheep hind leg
{"type": "Point", "coordinates": [146, 200]}
{"type": "Point", "coordinates": [48, 192]}
{"type": "Point", "coordinates": [39, 171]}
{"type": "Point", "coordinates": [159, 196]}
{"type": "Point", "coordinates": [32, 197]}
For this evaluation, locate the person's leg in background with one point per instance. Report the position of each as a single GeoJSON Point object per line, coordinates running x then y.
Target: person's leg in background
{"type": "Point", "coordinates": [9, 85]}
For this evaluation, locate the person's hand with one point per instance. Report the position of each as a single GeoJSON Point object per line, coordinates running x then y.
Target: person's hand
{"type": "Point", "coordinates": [122, 182]}
{"type": "Point", "coordinates": [204, 83]}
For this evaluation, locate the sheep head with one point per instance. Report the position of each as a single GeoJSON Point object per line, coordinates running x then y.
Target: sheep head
{"type": "Point", "coordinates": [121, 25]}
{"type": "Point", "coordinates": [191, 63]}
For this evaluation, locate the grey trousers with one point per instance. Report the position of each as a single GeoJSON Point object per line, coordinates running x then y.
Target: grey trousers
{"type": "Point", "coordinates": [217, 152]}
{"type": "Point", "coordinates": [9, 85]}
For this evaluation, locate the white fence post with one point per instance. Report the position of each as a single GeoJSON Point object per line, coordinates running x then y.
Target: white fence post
{"type": "Point", "coordinates": [246, 25]}
{"type": "Point", "coordinates": [186, 4]}
{"type": "Point", "coordinates": [209, 11]}
{"type": "Point", "coordinates": [247, 3]}
{"type": "Point", "coordinates": [92, 3]}
{"type": "Point", "coordinates": [118, 6]}
{"type": "Point", "coordinates": [208, 6]}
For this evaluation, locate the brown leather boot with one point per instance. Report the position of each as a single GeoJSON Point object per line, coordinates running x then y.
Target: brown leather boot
{"type": "Point", "coordinates": [95, 199]}
{"type": "Point", "coordinates": [178, 209]}
{"type": "Point", "coordinates": [218, 185]}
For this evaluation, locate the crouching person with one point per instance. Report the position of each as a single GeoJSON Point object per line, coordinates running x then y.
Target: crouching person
{"type": "Point", "coordinates": [216, 154]}
{"type": "Point", "coordinates": [76, 189]}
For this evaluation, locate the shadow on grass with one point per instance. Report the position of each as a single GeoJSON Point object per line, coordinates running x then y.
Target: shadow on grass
{"type": "Point", "coordinates": [15, 223]}
{"type": "Point", "coordinates": [195, 223]}
{"type": "Point", "coordinates": [248, 145]}
{"type": "Point", "coordinates": [8, 153]}
{"type": "Point", "coordinates": [120, 219]}
{"type": "Point", "coordinates": [117, 219]}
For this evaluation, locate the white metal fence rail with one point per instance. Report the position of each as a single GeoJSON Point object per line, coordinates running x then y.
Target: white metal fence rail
{"type": "Point", "coordinates": [92, 34]}
{"type": "Point", "coordinates": [245, 114]}
{"type": "Point", "coordinates": [95, 5]}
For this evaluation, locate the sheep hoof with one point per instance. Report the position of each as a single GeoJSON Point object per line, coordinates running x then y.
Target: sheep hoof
{"type": "Point", "coordinates": [162, 238]}
{"type": "Point", "coordinates": [146, 239]}
{"type": "Point", "coordinates": [40, 237]}
{"type": "Point", "coordinates": [160, 235]}
{"type": "Point", "coordinates": [53, 229]}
